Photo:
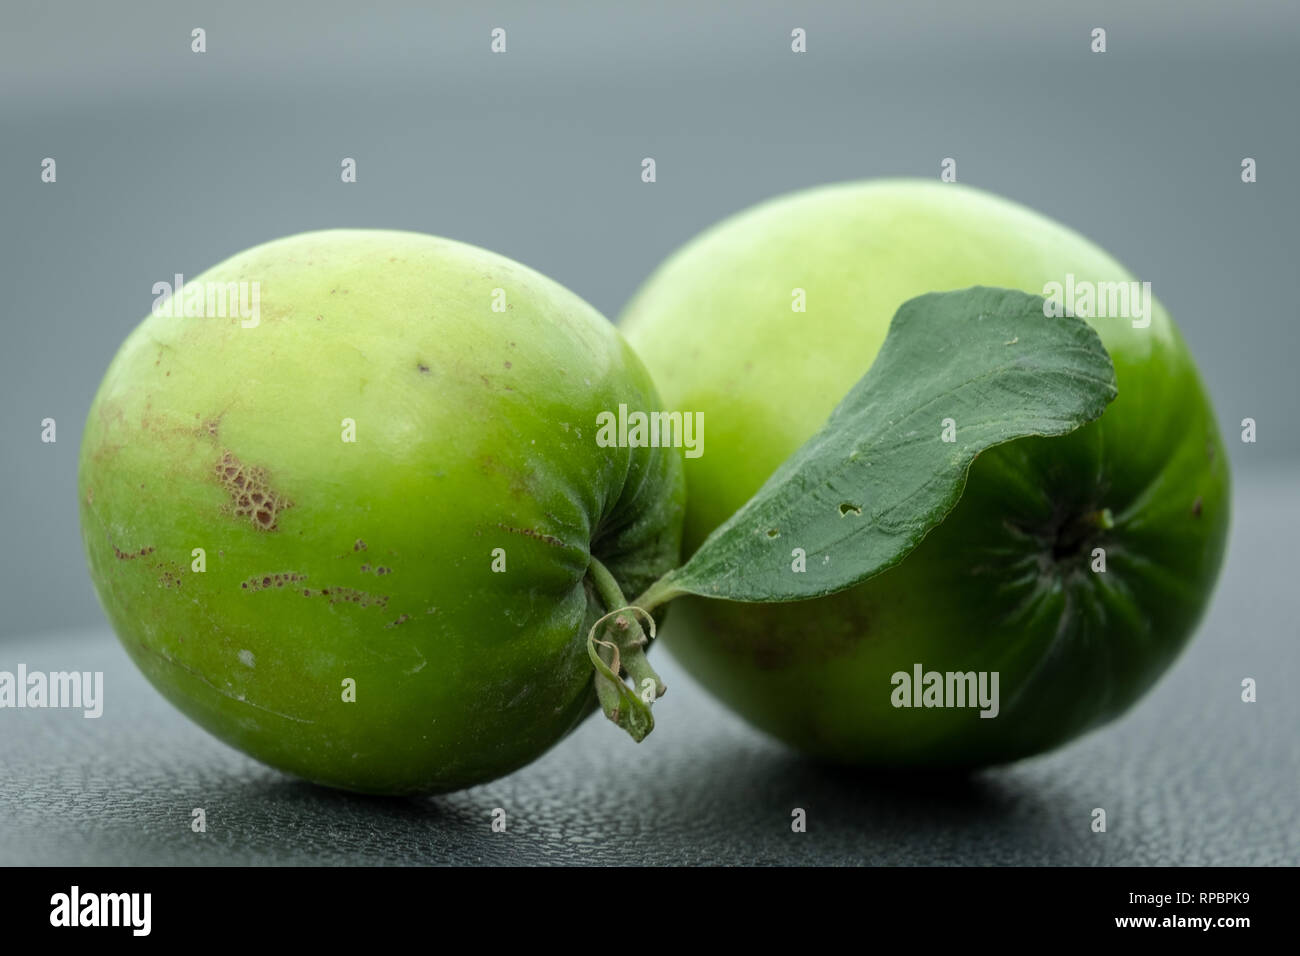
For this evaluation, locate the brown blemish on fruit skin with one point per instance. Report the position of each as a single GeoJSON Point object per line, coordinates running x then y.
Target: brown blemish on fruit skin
{"type": "Point", "coordinates": [1196, 508]}
{"type": "Point", "coordinates": [202, 430]}
{"type": "Point", "coordinates": [250, 492]}
{"type": "Point", "coordinates": [262, 582]}
{"type": "Point", "coordinates": [335, 595]}
{"type": "Point", "coordinates": [339, 595]}
{"type": "Point", "coordinates": [131, 555]}
{"type": "Point", "coordinates": [402, 619]}
{"type": "Point", "coordinates": [359, 545]}
{"type": "Point", "coordinates": [169, 575]}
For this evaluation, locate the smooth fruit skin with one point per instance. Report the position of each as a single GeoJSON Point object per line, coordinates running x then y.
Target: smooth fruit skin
{"type": "Point", "coordinates": [372, 561]}
{"type": "Point", "coordinates": [1005, 583]}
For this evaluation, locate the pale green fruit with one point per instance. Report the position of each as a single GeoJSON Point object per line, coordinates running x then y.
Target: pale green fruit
{"type": "Point", "coordinates": [433, 568]}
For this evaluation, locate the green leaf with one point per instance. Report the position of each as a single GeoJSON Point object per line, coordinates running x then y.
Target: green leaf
{"type": "Point", "coordinates": [864, 491]}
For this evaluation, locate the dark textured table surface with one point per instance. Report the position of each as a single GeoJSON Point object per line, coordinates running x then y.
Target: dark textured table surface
{"type": "Point", "coordinates": [1190, 776]}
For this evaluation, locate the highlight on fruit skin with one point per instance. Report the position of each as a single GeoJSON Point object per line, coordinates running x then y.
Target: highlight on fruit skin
{"type": "Point", "coordinates": [351, 534]}
{"type": "Point", "coordinates": [765, 320]}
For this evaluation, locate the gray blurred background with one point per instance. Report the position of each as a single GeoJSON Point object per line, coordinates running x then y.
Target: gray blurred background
{"type": "Point", "coordinates": [170, 161]}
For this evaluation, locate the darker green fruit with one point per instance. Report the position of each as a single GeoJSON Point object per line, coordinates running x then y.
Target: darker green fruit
{"type": "Point", "coordinates": [1007, 583]}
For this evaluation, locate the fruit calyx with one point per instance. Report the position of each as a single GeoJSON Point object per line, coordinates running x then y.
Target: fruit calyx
{"type": "Point", "coordinates": [1076, 535]}
{"type": "Point", "coordinates": [622, 653]}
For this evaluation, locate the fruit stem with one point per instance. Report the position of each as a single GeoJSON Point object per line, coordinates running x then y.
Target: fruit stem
{"type": "Point", "coordinates": [621, 653]}
{"type": "Point", "coordinates": [607, 589]}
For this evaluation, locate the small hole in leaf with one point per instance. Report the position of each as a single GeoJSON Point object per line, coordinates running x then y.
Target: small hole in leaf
{"type": "Point", "coordinates": [846, 509]}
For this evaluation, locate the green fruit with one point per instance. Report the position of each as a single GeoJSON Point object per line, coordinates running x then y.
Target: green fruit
{"type": "Point", "coordinates": [330, 564]}
{"type": "Point", "coordinates": [1006, 584]}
